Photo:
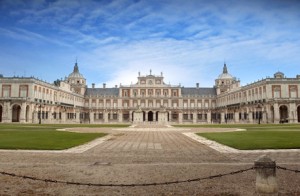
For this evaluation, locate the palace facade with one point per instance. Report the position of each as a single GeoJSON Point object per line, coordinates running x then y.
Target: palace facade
{"type": "Point", "coordinates": [150, 99]}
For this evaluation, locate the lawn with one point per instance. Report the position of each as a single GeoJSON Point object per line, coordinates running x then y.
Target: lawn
{"type": "Point", "coordinates": [258, 137]}
{"type": "Point", "coordinates": [43, 137]}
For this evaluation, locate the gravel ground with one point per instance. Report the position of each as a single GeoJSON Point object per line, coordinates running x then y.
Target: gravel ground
{"type": "Point", "coordinates": [157, 155]}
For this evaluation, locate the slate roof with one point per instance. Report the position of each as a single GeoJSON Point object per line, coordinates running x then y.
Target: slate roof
{"type": "Point", "coordinates": [198, 91]}
{"type": "Point", "coordinates": [102, 91]}
{"type": "Point", "coordinates": [184, 91]}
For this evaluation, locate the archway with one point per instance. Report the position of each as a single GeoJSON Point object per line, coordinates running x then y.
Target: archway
{"type": "Point", "coordinates": [298, 113]}
{"type": "Point", "coordinates": [27, 113]}
{"type": "Point", "coordinates": [150, 116]}
{"type": "Point", "coordinates": [283, 111]}
{"type": "Point", "coordinates": [1, 109]}
{"type": "Point", "coordinates": [16, 110]}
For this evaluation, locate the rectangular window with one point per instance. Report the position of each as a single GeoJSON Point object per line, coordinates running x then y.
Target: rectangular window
{"type": "Point", "coordinates": [185, 104]}
{"type": "Point", "coordinates": [23, 91]}
{"type": "Point", "coordinates": [6, 90]}
{"type": "Point", "coordinates": [199, 104]}
{"type": "Point", "coordinates": [206, 104]}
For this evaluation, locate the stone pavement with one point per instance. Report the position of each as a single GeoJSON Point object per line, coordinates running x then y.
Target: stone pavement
{"type": "Point", "coordinates": [169, 144]}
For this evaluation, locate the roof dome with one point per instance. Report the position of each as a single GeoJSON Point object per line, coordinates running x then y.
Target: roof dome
{"type": "Point", "coordinates": [75, 73]}
{"type": "Point", "coordinates": [225, 74]}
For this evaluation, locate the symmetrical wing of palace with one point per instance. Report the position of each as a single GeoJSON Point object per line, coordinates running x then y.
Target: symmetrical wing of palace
{"type": "Point", "coordinates": [270, 100]}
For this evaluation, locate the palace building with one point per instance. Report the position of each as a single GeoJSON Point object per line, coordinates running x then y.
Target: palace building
{"type": "Point", "coordinates": [150, 99]}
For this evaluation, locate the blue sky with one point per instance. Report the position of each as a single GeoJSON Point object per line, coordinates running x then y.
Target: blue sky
{"type": "Point", "coordinates": [187, 40]}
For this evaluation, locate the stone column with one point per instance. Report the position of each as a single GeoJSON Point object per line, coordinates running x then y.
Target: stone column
{"type": "Point", "coordinates": [92, 117]}
{"type": "Point", "coordinates": [130, 116]}
{"type": "Point", "coordinates": [105, 115]}
{"type": "Point", "coordinates": [63, 117]}
{"type": "Point", "coordinates": [120, 116]}
{"type": "Point", "coordinates": [23, 113]}
{"type": "Point", "coordinates": [209, 117]}
{"type": "Point", "coordinates": [30, 113]}
{"type": "Point", "coordinates": [292, 113]}
{"type": "Point", "coordinates": [194, 117]}
{"type": "Point", "coordinates": [146, 116]}
{"type": "Point", "coordinates": [35, 117]}
{"type": "Point", "coordinates": [77, 120]}
{"type": "Point", "coordinates": [180, 117]}
{"type": "Point", "coordinates": [250, 117]}
{"type": "Point", "coordinates": [236, 117]}
{"type": "Point", "coordinates": [266, 182]}
{"type": "Point", "coordinates": [222, 117]}
{"type": "Point", "coordinates": [276, 113]}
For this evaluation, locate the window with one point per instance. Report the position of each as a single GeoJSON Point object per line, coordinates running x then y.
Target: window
{"type": "Point", "coordinates": [206, 104]}
{"type": "Point", "coordinates": [185, 104]}
{"type": "Point", "coordinates": [293, 91]}
{"type": "Point", "coordinates": [6, 90]}
{"type": "Point", "coordinates": [276, 91]}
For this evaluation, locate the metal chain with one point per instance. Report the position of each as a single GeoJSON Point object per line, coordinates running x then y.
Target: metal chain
{"type": "Point", "coordinates": [287, 169]}
{"type": "Point", "coordinates": [124, 185]}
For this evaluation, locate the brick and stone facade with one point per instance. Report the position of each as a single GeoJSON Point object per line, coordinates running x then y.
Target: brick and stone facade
{"type": "Point", "coordinates": [150, 99]}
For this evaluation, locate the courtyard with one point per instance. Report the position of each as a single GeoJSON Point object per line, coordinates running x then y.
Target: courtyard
{"type": "Point", "coordinates": [142, 155]}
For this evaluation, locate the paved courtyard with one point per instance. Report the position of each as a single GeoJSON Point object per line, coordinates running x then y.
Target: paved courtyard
{"type": "Point", "coordinates": [142, 155]}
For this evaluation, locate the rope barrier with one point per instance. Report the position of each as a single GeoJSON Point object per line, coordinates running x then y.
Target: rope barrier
{"type": "Point", "coordinates": [124, 185]}
{"type": "Point", "coordinates": [287, 169]}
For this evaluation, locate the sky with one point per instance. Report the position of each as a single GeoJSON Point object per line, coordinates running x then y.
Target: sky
{"type": "Point", "coordinates": [187, 40]}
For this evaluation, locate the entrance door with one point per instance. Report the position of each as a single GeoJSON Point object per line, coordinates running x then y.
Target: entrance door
{"type": "Point", "coordinates": [283, 111]}
{"type": "Point", "coordinates": [150, 116]}
{"type": "Point", "coordinates": [16, 113]}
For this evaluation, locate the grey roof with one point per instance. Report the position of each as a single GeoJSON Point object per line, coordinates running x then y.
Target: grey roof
{"type": "Point", "coordinates": [225, 76]}
{"type": "Point", "coordinates": [198, 91]}
{"type": "Point", "coordinates": [102, 91]}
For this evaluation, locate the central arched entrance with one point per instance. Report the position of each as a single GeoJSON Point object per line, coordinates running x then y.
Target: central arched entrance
{"type": "Point", "coordinates": [16, 110]}
{"type": "Point", "coordinates": [298, 113]}
{"type": "Point", "coordinates": [150, 116]}
{"type": "Point", "coordinates": [1, 109]}
{"type": "Point", "coordinates": [283, 111]}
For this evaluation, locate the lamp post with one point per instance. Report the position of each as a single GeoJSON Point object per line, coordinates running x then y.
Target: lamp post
{"type": "Point", "coordinates": [259, 108]}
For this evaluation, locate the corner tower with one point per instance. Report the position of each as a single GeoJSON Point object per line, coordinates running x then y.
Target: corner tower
{"type": "Point", "coordinates": [77, 81]}
{"type": "Point", "coordinates": [225, 81]}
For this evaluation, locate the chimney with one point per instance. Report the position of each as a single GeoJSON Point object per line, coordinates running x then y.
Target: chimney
{"type": "Point", "coordinates": [197, 85]}
{"type": "Point", "coordinates": [116, 86]}
{"type": "Point", "coordinates": [104, 85]}
{"type": "Point", "coordinates": [93, 85]}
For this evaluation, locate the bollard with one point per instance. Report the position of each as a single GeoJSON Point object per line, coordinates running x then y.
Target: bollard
{"type": "Point", "coordinates": [266, 182]}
